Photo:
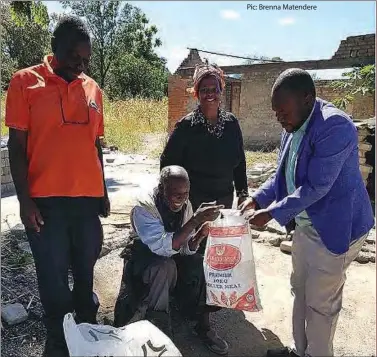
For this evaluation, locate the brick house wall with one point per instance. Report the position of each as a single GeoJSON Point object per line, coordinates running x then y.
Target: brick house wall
{"type": "Point", "coordinates": [356, 46]}
{"type": "Point", "coordinates": [250, 101]}
{"type": "Point", "coordinates": [249, 98]}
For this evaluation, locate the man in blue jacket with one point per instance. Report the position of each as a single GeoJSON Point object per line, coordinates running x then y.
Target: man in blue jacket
{"type": "Point", "coordinates": [318, 189]}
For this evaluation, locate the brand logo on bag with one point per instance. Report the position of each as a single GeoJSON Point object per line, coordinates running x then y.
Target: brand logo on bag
{"type": "Point", "coordinates": [223, 256]}
{"type": "Point", "coordinates": [155, 350]}
{"type": "Point", "coordinates": [226, 232]}
{"type": "Point", "coordinates": [247, 302]}
{"type": "Point", "coordinates": [94, 105]}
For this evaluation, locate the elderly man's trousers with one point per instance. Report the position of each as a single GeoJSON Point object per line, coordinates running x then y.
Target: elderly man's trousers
{"type": "Point", "coordinates": [150, 282]}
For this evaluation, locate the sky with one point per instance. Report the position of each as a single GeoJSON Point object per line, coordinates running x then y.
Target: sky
{"type": "Point", "coordinates": [233, 28]}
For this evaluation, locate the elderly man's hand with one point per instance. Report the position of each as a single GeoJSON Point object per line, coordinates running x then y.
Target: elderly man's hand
{"type": "Point", "coordinates": [207, 214]}
{"type": "Point", "coordinates": [259, 218]}
{"type": "Point", "coordinates": [203, 231]}
{"type": "Point", "coordinates": [201, 234]}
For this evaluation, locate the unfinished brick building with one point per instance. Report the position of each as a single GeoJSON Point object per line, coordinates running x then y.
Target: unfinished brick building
{"type": "Point", "coordinates": [249, 97]}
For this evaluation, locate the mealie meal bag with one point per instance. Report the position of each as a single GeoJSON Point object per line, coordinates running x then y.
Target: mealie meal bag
{"type": "Point", "coordinates": [229, 265]}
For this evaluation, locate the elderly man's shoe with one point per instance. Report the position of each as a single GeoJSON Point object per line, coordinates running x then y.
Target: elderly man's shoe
{"type": "Point", "coordinates": [55, 349]}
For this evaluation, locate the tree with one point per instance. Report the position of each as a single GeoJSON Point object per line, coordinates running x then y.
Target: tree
{"type": "Point", "coordinates": [24, 12]}
{"type": "Point", "coordinates": [8, 67]}
{"type": "Point", "coordinates": [23, 44]}
{"type": "Point", "coordinates": [358, 81]}
{"type": "Point", "coordinates": [132, 76]}
{"type": "Point", "coordinates": [117, 29]}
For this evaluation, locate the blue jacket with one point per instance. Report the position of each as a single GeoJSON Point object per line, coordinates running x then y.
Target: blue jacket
{"type": "Point", "coordinates": [329, 183]}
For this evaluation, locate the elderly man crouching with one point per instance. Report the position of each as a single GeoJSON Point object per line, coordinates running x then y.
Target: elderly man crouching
{"type": "Point", "coordinates": [163, 260]}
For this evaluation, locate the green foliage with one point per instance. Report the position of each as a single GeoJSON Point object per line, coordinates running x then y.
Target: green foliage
{"type": "Point", "coordinates": [126, 121]}
{"type": "Point", "coordinates": [358, 81]}
{"type": "Point", "coordinates": [8, 67]}
{"type": "Point", "coordinates": [24, 12]}
{"type": "Point", "coordinates": [132, 77]}
{"type": "Point", "coordinates": [121, 32]}
{"type": "Point", "coordinates": [124, 61]}
{"type": "Point", "coordinates": [22, 45]}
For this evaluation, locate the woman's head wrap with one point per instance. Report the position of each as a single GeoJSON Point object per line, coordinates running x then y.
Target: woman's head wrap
{"type": "Point", "coordinates": [205, 70]}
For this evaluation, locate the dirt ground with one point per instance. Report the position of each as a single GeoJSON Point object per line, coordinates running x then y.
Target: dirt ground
{"type": "Point", "coordinates": [248, 334]}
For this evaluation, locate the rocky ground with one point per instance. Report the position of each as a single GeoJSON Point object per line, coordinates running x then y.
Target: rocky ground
{"type": "Point", "coordinates": [249, 334]}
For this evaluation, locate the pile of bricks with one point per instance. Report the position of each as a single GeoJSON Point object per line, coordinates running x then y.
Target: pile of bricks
{"type": "Point", "coordinates": [366, 134]}
{"type": "Point", "coordinates": [356, 46]}
{"type": "Point", "coordinates": [259, 174]}
{"type": "Point", "coordinates": [191, 60]}
{"type": "Point", "coordinates": [7, 185]}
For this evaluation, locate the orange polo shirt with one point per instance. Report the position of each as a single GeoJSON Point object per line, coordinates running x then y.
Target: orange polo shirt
{"type": "Point", "coordinates": [63, 121]}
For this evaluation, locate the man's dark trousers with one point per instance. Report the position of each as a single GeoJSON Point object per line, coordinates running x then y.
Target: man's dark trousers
{"type": "Point", "coordinates": [71, 238]}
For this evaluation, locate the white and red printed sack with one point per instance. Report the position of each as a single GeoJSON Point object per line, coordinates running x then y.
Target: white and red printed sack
{"type": "Point", "coordinates": [229, 266]}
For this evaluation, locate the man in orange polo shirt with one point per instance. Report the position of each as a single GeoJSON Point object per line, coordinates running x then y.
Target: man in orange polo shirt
{"type": "Point", "coordinates": [55, 115]}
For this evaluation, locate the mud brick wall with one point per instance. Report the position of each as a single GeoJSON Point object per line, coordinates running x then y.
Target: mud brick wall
{"type": "Point", "coordinates": [250, 101]}
{"type": "Point", "coordinates": [260, 129]}
{"type": "Point", "coordinates": [362, 107]}
{"type": "Point", "coordinates": [252, 106]}
{"type": "Point", "coordinates": [258, 121]}
{"type": "Point", "coordinates": [178, 100]}
{"type": "Point", "coordinates": [356, 46]}
{"type": "Point", "coordinates": [7, 185]}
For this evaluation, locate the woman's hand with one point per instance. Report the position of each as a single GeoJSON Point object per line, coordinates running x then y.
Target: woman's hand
{"type": "Point", "coordinates": [248, 204]}
{"type": "Point", "coordinates": [241, 200]}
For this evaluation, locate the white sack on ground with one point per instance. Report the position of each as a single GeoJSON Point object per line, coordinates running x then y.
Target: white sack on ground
{"type": "Point", "coordinates": [139, 339]}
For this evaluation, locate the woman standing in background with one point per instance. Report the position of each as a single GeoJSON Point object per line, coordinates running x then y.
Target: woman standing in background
{"type": "Point", "coordinates": [208, 143]}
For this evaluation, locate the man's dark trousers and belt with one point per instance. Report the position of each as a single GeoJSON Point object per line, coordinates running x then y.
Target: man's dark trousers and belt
{"type": "Point", "coordinates": [70, 239]}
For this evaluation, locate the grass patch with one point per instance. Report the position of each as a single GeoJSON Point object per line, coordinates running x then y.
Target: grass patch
{"type": "Point", "coordinates": [258, 157]}
{"type": "Point", "coordinates": [126, 121]}
{"type": "Point", "coordinates": [156, 151]}
{"type": "Point", "coordinates": [4, 129]}
{"type": "Point", "coordinates": [19, 259]}
{"type": "Point", "coordinates": [11, 255]}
